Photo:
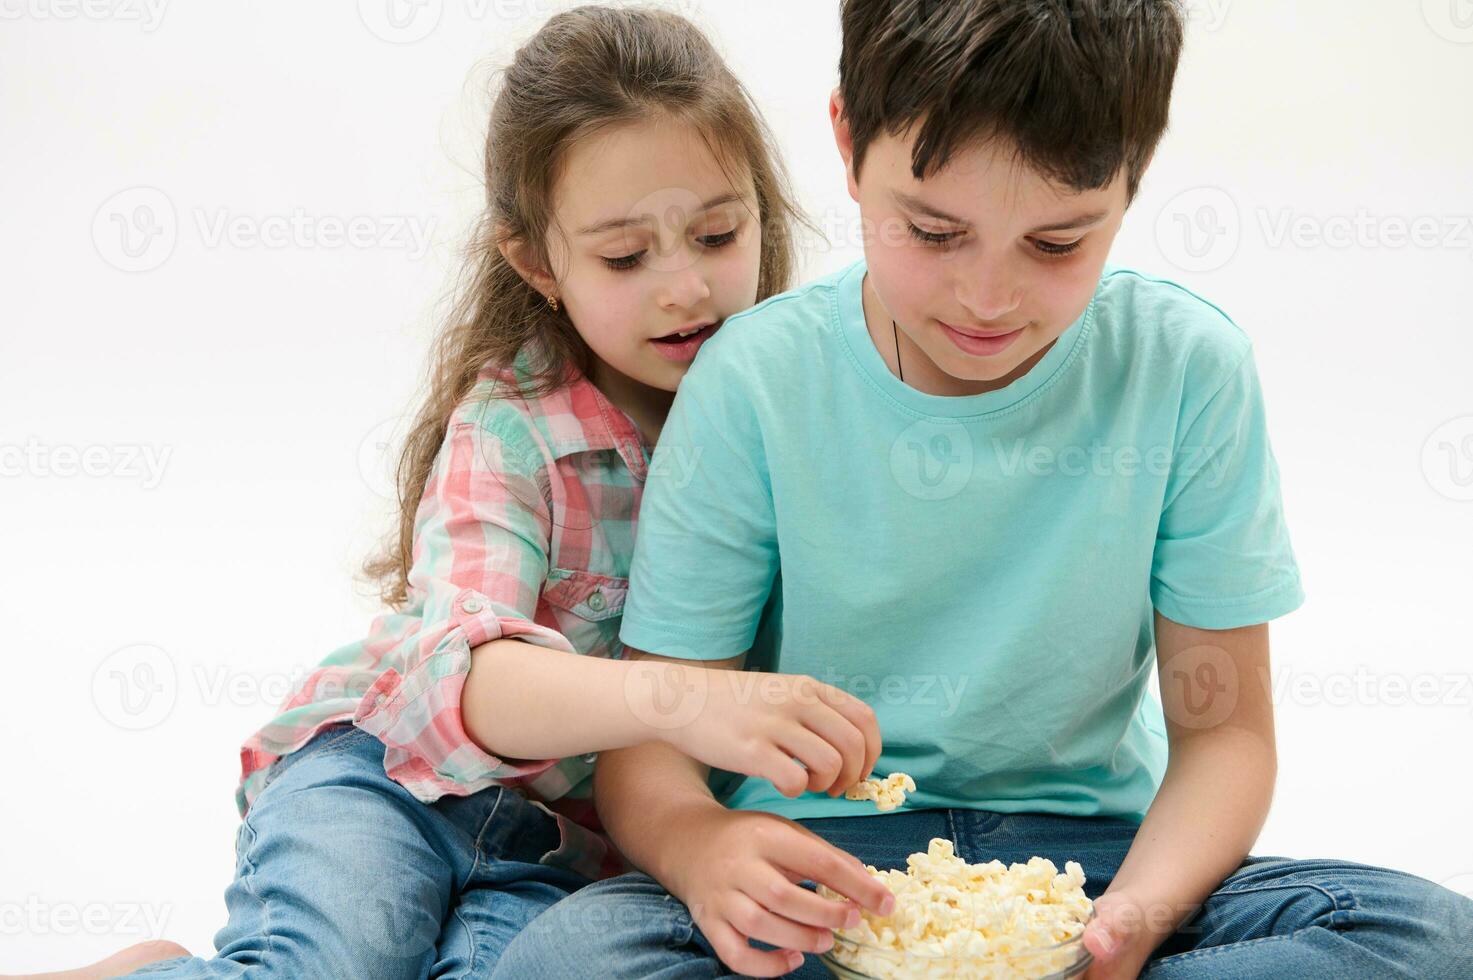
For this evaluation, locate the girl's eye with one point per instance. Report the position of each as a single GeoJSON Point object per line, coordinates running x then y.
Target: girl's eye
{"type": "Point", "coordinates": [1056, 249]}
{"type": "Point", "coordinates": [716, 241]}
{"type": "Point", "coordinates": [931, 237]}
{"type": "Point", "coordinates": [624, 262]}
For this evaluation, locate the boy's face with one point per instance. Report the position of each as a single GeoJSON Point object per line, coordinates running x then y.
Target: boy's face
{"type": "Point", "coordinates": [982, 265]}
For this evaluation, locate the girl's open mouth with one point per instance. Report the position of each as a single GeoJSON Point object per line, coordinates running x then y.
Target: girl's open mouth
{"type": "Point", "coordinates": [680, 349]}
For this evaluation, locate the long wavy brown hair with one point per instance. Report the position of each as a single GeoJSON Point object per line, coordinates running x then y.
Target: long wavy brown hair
{"type": "Point", "coordinates": [586, 70]}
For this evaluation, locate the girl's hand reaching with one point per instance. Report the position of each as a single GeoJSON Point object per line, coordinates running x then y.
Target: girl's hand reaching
{"type": "Point", "coordinates": [738, 873]}
{"type": "Point", "coordinates": [758, 723]}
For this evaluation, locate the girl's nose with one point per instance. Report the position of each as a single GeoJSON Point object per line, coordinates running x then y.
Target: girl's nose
{"type": "Point", "coordinates": [684, 289]}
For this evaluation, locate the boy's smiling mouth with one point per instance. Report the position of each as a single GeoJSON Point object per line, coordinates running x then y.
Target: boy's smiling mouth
{"type": "Point", "coordinates": [980, 344]}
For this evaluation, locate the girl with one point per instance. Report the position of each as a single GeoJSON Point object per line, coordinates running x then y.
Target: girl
{"type": "Point", "coordinates": [426, 791]}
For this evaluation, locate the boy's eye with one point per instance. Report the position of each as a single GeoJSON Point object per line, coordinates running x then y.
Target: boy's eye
{"type": "Point", "coordinates": [624, 262]}
{"type": "Point", "coordinates": [931, 237]}
{"type": "Point", "coordinates": [1055, 248]}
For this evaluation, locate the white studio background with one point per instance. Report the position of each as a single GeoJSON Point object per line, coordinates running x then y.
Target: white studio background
{"type": "Point", "coordinates": [197, 383]}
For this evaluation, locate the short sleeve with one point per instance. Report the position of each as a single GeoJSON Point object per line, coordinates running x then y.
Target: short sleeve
{"type": "Point", "coordinates": [1222, 556]}
{"type": "Point", "coordinates": [705, 555]}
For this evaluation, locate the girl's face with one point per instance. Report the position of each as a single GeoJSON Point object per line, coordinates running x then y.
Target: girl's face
{"type": "Point", "coordinates": [652, 240]}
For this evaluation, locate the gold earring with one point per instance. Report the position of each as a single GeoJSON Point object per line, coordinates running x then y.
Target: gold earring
{"type": "Point", "coordinates": [552, 302]}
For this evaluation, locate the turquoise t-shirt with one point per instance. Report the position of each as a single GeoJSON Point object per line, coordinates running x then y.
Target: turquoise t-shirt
{"type": "Point", "coordinates": [981, 569]}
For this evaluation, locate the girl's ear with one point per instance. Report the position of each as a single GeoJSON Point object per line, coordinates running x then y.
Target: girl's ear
{"type": "Point", "coordinates": [519, 256]}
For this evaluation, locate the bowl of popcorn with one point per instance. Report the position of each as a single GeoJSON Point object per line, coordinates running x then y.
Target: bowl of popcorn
{"type": "Point", "coordinates": [960, 921]}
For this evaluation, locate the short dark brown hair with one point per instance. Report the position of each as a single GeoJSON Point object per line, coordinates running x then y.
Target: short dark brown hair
{"type": "Point", "coordinates": [1081, 88]}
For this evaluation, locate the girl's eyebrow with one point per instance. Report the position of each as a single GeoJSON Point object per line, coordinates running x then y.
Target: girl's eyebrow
{"type": "Point", "coordinates": [613, 223]}
{"type": "Point", "coordinates": [916, 204]}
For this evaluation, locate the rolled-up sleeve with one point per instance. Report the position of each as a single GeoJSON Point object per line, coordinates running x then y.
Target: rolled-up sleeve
{"type": "Point", "coordinates": [480, 558]}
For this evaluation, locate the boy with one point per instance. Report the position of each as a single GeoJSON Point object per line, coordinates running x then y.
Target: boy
{"type": "Point", "coordinates": [983, 481]}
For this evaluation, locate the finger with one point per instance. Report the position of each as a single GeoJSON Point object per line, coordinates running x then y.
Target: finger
{"type": "Point", "coordinates": [750, 918]}
{"type": "Point", "coordinates": [823, 760]}
{"type": "Point", "coordinates": [746, 960]}
{"type": "Point", "coordinates": [835, 729]}
{"type": "Point", "coordinates": [862, 717]}
{"type": "Point", "coordinates": [814, 858]}
{"type": "Point", "coordinates": [792, 901]}
{"type": "Point", "coordinates": [787, 776]}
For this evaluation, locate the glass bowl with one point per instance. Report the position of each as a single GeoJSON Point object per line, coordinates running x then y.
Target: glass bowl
{"type": "Point", "coordinates": [851, 960]}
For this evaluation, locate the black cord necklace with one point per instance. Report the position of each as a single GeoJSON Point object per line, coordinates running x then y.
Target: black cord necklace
{"type": "Point", "coordinates": [897, 350]}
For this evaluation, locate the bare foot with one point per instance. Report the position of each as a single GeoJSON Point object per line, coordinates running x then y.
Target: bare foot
{"type": "Point", "coordinates": [121, 963]}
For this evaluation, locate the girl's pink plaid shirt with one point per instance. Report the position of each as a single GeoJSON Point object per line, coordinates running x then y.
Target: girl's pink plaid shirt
{"type": "Point", "coordinates": [526, 529]}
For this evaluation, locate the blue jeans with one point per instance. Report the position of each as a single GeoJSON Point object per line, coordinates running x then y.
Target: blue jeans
{"type": "Point", "coordinates": [1272, 918]}
{"type": "Point", "coordinates": [341, 872]}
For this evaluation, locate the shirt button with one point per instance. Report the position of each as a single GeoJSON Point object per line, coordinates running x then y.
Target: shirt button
{"type": "Point", "coordinates": [596, 602]}
{"type": "Point", "coordinates": [471, 605]}
{"type": "Point", "coordinates": [590, 758]}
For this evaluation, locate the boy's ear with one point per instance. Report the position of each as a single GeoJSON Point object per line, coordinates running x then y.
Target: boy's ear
{"type": "Point", "coordinates": [843, 140]}
{"type": "Point", "coordinates": [519, 256]}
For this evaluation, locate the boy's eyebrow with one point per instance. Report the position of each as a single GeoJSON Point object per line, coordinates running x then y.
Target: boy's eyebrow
{"type": "Point", "coordinates": [613, 223]}
{"type": "Point", "coordinates": [916, 204]}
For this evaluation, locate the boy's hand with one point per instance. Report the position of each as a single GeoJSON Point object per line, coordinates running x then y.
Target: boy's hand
{"type": "Point", "coordinates": [757, 723]}
{"type": "Point", "coordinates": [738, 873]}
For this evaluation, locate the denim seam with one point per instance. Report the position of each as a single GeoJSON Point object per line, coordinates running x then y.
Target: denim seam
{"type": "Point", "coordinates": [1335, 912]}
{"type": "Point", "coordinates": [470, 940]}
{"type": "Point", "coordinates": [481, 834]}
{"type": "Point", "coordinates": [1338, 903]}
{"type": "Point", "coordinates": [1223, 947]}
{"type": "Point", "coordinates": [250, 886]}
{"type": "Point", "coordinates": [683, 922]}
